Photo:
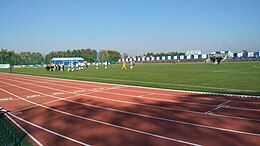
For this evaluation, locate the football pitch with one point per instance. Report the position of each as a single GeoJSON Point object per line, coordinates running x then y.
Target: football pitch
{"type": "Point", "coordinates": [234, 78]}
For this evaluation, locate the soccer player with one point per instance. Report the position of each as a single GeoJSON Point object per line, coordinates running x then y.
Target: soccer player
{"type": "Point", "coordinates": [72, 66]}
{"type": "Point", "coordinates": [97, 65]}
{"type": "Point", "coordinates": [77, 66]}
{"type": "Point", "coordinates": [132, 64]}
{"type": "Point", "coordinates": [106, 64]}
{"type": "Point", "coordinates": [124, 65]}
{"type": "Point", "coordinates": [69, 66]}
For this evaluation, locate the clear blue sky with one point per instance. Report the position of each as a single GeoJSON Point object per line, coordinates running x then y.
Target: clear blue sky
{"type": "Point", "coordinates": [132, 26]}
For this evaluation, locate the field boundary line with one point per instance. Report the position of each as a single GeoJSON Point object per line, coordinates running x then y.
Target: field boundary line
{"type": "Point", "coordinates": [153, 88]}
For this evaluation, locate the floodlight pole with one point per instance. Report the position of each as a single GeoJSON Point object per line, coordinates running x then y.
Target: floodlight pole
{"type": "Point", "coordinates": [230, 42]}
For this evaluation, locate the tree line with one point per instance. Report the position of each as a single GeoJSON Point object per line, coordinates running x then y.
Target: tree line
{"type": "Point", "coordinates": [22, 58]}
{"type": "Point", "coordinates": [89, 55]}
{"type": "Point", "coordinates": [33, 58]}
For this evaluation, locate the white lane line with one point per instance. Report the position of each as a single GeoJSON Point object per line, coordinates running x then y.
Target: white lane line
{"type": "Point", "coordinates": [240, 118]}
{"type": "Point", "coordinates": [25, 131]}
{"type": "Point", "coordinates": [134, 103]}
{"type": "Point", "coordinates": [50, 131]}
{"type": "Point", "coordinates": [57, 93]}
{"type": "Point", "coordinates": [218, 107]}
{"type": "Point", "coordinates": [131, 86]}
{"type": "Point", "coordinates": [33, 96]}
{"type": "Point", "coordinates": [143, 92]}
{"type": "Point", "coordinates": [158, 118]}
{"type": "Point", "coordinates": [222, 104]}
{"type": "Point", "coordinates": [110, 99]}
{"type": "Point", "coordinates": [140, 96]}
{"type": "Point", "coordinates": [101, 122]}
{"type": "Point", "coordinates": [173, 101]}
{"type": "Point", "coordinates": [19, 111]}
{"type": "Point", "coordinates": [244, 109]}
{"type": "Point", "coordinates": [5, 99]}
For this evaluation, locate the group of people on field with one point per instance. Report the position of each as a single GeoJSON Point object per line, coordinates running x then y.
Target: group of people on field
{"type": "Point", "coordinates": [53, 67]}
{"type": "Point", "coordinates": [105, 65]}
{"type": "Point", "coordinates": [78, 66]}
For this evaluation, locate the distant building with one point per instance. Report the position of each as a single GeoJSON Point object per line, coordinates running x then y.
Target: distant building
{"type": "Point", "coordinates": [66, 61]}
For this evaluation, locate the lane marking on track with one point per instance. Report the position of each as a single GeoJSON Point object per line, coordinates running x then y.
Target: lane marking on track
{"type": "Point", "coordinates": [50, 131]}
{"type": "Point", "coordinates": [32, 96]}
{"type": "Point", "coordinates": [80, 83]}
{"type": "Point", "coordinates": [44, 103]}
{"type": "Point", "coordinates": [158, 118]}
{"type": "Point", "coordinates": [57, 93]}
{"type": "Point", "coordinates": [100, 122]}
{"type": "Point", "coordinates": [141, 104]}
{"type": "Point", "coordinates": [5, 99]}
{"type": "Point", "coordinates": [151, 88]}
{"type": "Point", "coordinates": [174, 109]}
{"type": "Point", "coordinates": [25, 131]}
{"type": "Point", "coordinates": [141, 96]}
{"type": "Point", "coordinates": [20, 111]}
{"type": "Point", "coordinates": [218, 107]}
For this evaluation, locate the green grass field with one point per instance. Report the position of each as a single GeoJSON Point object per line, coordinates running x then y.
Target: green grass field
{"type": "Point", "coordinates": [236, 78]}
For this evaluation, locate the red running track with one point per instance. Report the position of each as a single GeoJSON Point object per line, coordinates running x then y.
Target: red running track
{"type": "Point", "coordinates": [68, 112]}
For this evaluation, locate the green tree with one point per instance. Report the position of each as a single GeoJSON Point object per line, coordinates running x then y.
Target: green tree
{"type": "Point", "coordinates": [104, 56]}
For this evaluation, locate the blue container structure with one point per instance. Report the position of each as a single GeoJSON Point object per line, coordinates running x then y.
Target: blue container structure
{"type": "Point", "coordinates": [66, 61]}
{"type": "Point", "coordinates": [256, 54]}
